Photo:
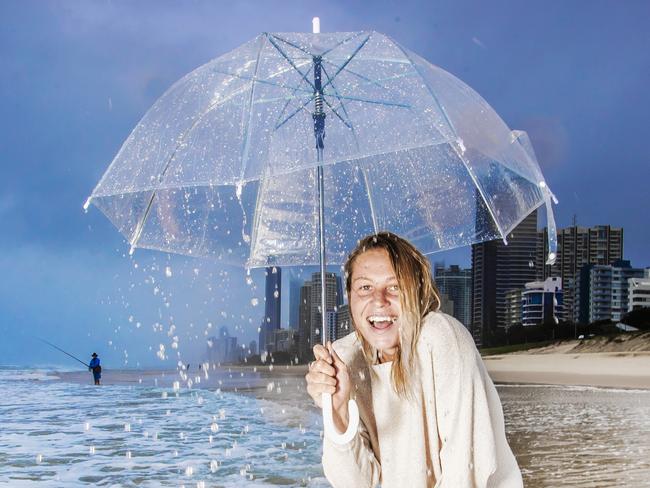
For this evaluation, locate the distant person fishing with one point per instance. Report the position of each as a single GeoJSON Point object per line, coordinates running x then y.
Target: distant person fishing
{"type": "Point", "coordinates": [96, 368]}
{"type": "Point", "coordinates": [93, 366]}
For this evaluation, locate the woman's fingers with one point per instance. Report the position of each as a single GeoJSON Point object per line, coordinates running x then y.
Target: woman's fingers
{"type": "Point", "coordinates": [321, 366]}
{"type": "Point", "coordinates": [338, 362]}
{"type": "Point", "coordinates": [320, 378]}
{"type": "Point", "coordinates": [321, 353]}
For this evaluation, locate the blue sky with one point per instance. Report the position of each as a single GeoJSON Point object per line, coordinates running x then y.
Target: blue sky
{"type": "Point", "coordinates": [78, 76]}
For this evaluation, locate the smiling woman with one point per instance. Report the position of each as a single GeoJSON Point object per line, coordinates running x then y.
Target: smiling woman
{"type": "Point", "coordinates": [411, 399]}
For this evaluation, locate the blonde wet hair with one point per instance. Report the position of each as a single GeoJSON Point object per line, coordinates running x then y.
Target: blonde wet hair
{"type": "Point", "coordinates": [418, 297]}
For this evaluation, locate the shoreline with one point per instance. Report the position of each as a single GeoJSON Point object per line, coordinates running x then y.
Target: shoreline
{"type": "Point", "coordinates": [627, 370]}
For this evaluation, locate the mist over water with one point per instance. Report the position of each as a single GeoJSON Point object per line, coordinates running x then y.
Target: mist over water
{"type": "Point", "coordinates": [130, 432]}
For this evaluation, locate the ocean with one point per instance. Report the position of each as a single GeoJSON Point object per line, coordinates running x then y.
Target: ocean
{"type": "Point", "coordinates": [243, 427]}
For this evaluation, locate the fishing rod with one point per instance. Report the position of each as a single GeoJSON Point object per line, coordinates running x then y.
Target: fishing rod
{"type": "Point", "coordinates": [64, 352]}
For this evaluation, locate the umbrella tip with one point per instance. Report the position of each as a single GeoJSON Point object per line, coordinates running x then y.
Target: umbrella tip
{"type": "Point", "coordinates": [131, 250]}
{"type": "Point", "coordinates": [87, 204]}
{"type": "Point", "coordinates": [315, 24]}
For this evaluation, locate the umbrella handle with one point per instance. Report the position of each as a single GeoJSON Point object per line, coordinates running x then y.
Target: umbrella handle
{"type": "Point", "coordinates": [328, 421]}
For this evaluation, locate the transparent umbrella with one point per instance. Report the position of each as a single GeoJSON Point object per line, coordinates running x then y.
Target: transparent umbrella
{"type": "Point", "coordinates": [291, 147]}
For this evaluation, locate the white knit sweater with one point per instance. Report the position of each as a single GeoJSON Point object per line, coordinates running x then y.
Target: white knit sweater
{"type": "Point", "coordinates": [452, 435]}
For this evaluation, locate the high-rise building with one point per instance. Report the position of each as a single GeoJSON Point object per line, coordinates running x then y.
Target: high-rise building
{"type": "Point", "coordinates": [456, 283]}
{"type": "Point", "coordinates": [497, 268]}
{"type": "Point", "coordinates": [332, 286]}
{"type": "Point", "coordinates": [272, 306]}
{"type": "Point", "coordinates": [304, 323]}
{"type": "Point", "coordinates": [578, 247]}
{"type": "Point", "coordinates": [604, 291]}
{"type": "Point", "coordinates": [294, 303]}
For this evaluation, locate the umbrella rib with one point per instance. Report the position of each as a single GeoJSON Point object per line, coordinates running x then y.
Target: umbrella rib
{"type": "Point", "coordinates": [347, 61]}
{"type": "Point", "coordinates": [366, 181]}
{"type": "Point", "coordinates": [290, 61]}
{"type": "Point", "coordinates": [377, 82]}
{"type": "Point", "coordinates": [374, 102]}
{"type": "Point", "coordinates": [340, 43]}
{"type": "Point", "coordinates": [289, 43]}
{"type": "Point", "coordinates": [293, 114]}
{"type": "Point", "coordinates": [246, 142]}
{"type": "Point", "coordinates": [266, 82]}
{"type": "Point", "coordinates": [459, 152]}
{"type": "Point", "coordinates": [364, 78]}
{"type": "Point", "coordinates": [295, 89]}
{"type": "Point", "coordinates": [348, 124]}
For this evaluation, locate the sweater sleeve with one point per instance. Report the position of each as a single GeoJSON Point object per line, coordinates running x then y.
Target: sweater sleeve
{"type": "Point", "coordinates": [352, 463]}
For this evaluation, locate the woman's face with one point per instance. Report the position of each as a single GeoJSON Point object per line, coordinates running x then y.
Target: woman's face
{"type": "Point", "coordinates": [374, 301]}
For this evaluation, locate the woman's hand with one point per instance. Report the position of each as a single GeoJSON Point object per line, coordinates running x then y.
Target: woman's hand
{"type": "Point", "coordinates": [329, 374]}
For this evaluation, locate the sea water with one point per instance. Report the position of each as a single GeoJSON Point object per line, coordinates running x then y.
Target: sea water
{"type": "Point", "coordinates": [132, 433]}
{"type": "Point", "coordinates": [64, 434]}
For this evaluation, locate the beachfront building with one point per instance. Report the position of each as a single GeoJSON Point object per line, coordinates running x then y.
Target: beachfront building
{"type": "Point", "coordinates": [542, 302]}
{"type": "Point", "coordinates": [496, 269]}
{"type": "Point", "coordinates": [578, 247]}
{"type": "Point", "coordinates": [272, 308]}
{"type": "Point", "coordinates": [638, 294]}
{"type": "Point", "coordinates": [604, 291]}
{"type": "Point", "coordinates": [456, 283]}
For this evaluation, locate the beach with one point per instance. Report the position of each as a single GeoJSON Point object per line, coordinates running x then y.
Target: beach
{"type": "Point", "coordinates": [621, 361]}
{"type": "Point", "coordinates": [613, 369]}
{"type": "Point", "coordinates": [234, 426]}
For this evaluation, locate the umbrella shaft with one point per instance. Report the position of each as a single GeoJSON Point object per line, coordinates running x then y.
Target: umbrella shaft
{"type": "Point", "coordinates": [319, 134]}
{"type": "Point", "coordinates": [321, 229]}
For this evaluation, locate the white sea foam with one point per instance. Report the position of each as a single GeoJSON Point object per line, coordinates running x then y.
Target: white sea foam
{"type": "Point", "coordinates": [78, 433]}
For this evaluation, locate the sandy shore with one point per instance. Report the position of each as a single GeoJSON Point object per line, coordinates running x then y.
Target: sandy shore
{"type": "Point", "coordinates": [608, 369]}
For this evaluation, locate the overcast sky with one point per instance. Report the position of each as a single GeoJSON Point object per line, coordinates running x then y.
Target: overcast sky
{"type": "Point", "coordinates": [78, 75]}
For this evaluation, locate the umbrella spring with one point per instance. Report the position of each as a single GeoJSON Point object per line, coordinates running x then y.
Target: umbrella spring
{"type": "Point", "coordinates": [318, 104]}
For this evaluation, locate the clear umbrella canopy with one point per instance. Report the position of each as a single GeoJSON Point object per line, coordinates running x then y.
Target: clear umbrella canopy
{"type": "Point", "coordinates": [225, 162]}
